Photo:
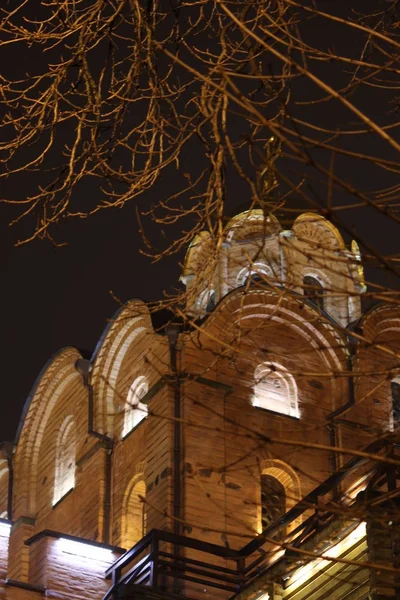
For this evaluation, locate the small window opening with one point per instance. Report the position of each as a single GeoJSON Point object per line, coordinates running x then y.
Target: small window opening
{"type": "Point", "coordinates": [313, 290]}
{"type": "Point", "coordinates": [211, 302]}
{"type": "Point", "coordinates": [135, 410]}
{"type": "Point", "coordinates": [64, 478]}
{"type": "Point", "coordinates": [395, 389]}
{"type": "Point", "coordinates": [206, 301]}
{"type": "Point", "coordinates": [134, 522]}
{"type": "Point", "coordinates": [257, 272]}
{"type": "Point", "coordinates": [273, 500]}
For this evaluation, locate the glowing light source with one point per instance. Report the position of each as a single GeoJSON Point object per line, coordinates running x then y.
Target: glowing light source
{"type": "Point", "coordinates": [275, 389]}
{"type": "Point", "coordinates": [5, 529]}
{"type": "Point", "coordinates": [86, 550]}
{"type": "Point", "coordinates": [309, 571]}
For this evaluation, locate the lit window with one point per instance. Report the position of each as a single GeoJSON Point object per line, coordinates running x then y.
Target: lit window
{"type": "Point", "coordinates": [313, 290]}
{"type": "Point", "coordinates": [275, 389]}
{"type": "Point", "coordinates": [5, 529]}
{"type": "Point", "coordinates": [64, 479]}
{"type": "Point", "coordinates": [135, 410]}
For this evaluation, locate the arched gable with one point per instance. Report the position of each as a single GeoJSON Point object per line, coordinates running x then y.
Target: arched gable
{"type": "Point", "coordinates": [318, 231]}
{"type": "Point", "coordinates": [377, 367]}
{"type": "Point", "coordinates": [55, 378]}
{"type": "Point", "coordinates": [250, 310]}
{"type": "Point", "coordinates": [251, 224]}
{"type": "Point", "coordinates": [130, 327]}
{"type": "Point", "coordinates": [265, 326]}
{"type": "Point", "coordinates": [379, 319]}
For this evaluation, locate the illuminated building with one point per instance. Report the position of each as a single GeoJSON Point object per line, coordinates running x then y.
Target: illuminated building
{"type": "Point", "coordinates": [210, 451]}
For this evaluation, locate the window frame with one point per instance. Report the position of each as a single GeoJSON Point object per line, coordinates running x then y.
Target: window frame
{"type": "Point", "coordinates": [130, 424]}
{"type": "Point", "coordinates": [291, 403]}
{"type": "Point", "coordinates": [64, 482]}
{"type": "Point", "coordinates": [314, 293]}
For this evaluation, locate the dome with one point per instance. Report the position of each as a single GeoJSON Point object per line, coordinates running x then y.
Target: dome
{"type": "Point", "coordinates": [314, 228]}
{"type": "Point", "coordinates": [251, 224]}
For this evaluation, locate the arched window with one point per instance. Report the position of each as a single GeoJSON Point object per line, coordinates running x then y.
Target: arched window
{"type": "Point", "coordinates": [64, 479]}
{"type": "Point", "coordinates": [275, 389]}
{"type": "Point", "coordinates": [273, 500]}
{"type": "Point", "coordinates": [313, 290]}
{"type": "Point", "coordinates": [134, 514]}
{"type": "Point", "coordinates": [211, 302]}
{"type": "Point", "coordinates": [135, 410]}
{"type": "Point", "coordinates": [257, 272]}
{"type": "Point", "coordinates": [206, 301]}
{"type": "Point", "coordinates": [395, 393]}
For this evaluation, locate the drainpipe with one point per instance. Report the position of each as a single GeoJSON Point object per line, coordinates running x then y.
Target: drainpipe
{"type": "Point", "coordinates": [83, 367]}
{"type": "Point", "coordinates": [350, 402]}
{"type": "Point", "coordinates": [331, 425]}
{"type": "Point", "coordinates": [107, 496]}
{"type": "Point", "coordinates": [172, 334]}
{"type": "Point", "coordinates": [332, 440]}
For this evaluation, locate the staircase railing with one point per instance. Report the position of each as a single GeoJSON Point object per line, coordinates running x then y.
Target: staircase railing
{"type": "Point", "coordinates": [154, 563]}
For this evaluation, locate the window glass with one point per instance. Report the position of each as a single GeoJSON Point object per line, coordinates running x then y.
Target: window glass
{"type": "Point", "coordinates": [273, 500]}
{"type": "Point", "coordinates": [313, 290]}
{"type": "Point", "coordinates": [275, 389]}
{"type": "Point", "coordinates": [135, 410]}
{"type": "Point", "coordinates": [64, 479]}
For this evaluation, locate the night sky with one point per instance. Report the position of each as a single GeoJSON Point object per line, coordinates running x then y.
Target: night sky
{"type": "Point", "coordinates": [54, 297]}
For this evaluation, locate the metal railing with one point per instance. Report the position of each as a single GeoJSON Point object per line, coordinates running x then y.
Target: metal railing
{"type": "Point", "coordinates": [166, 565]}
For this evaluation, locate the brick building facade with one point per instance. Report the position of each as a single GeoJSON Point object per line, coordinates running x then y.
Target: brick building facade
{"type": "Point", "coordinates": [205, 447]}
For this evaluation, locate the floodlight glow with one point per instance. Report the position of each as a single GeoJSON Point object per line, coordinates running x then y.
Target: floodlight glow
{"type": "Point", "coordinates": [308, 571]}
{"type": "Point", "coordinates": [263, 597]}
{"type": "Point", "coordinates": [5, 529]}
{"type": "Point", "coordinates": [86, 550]}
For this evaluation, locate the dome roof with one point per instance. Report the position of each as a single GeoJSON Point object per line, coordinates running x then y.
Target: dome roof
{"type": "Point", "coordinates": [195, 255]}
{"type": "Point", "coordinates": [251, 224]}
{"type": "Point", "coordinates": [319, 231]}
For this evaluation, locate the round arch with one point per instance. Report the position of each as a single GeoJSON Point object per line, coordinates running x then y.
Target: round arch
{"type": "Point", "coordinates": [130, 324]}
{"type": "Point", "coordinates": [251, 223]}
{"type": "Point", "coordinates": [259, 269]}
{"type": "Point", "coordinates": [133, 519]}
{"type": "Point", "coordinates": [55, 377]}
{"type": "Point", "coordinates": [289, 480]}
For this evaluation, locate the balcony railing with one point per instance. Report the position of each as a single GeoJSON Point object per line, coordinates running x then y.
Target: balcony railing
{"type": "Point", "coordinates": [165, 565]}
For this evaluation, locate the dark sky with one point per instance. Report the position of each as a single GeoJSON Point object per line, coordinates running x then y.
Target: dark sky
{"type": "Point", "coordinates": [54, 297]}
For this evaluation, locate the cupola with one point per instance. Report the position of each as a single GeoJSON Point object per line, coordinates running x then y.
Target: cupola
{"type": "Point", "coordinates": [310, 259]}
